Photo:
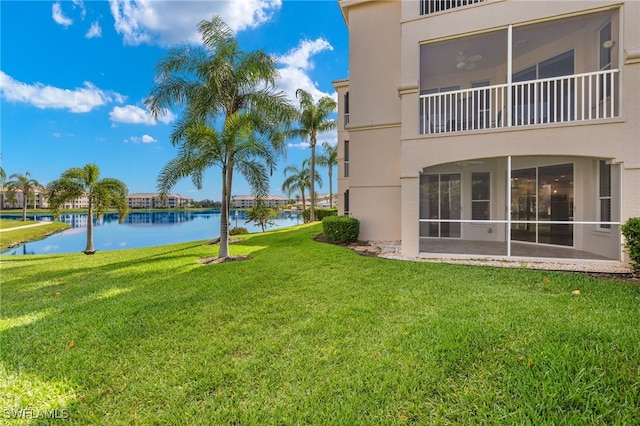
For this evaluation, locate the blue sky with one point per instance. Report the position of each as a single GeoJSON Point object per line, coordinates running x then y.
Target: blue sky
{"type": "Point", "coordinates": [74, 76]}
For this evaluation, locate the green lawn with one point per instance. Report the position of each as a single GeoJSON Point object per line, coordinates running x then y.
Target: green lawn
{"type": "Point", "coordinates": [10, 237]}
{"type": "Point", "coordinates": [11, 223]}
{"type": "Point", "coordinates": [310, 333]}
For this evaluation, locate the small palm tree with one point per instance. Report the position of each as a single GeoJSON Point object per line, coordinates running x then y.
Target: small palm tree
{"type": "Point", "coordinates": [313, 118]}
{"type": "Point", "coordinates": [299, 179]}
{"type": "Point", "coordinates": [102, 193]}
{"type": "Point", "coordinates": [329, 160]}
{"type": "Point", "coordinates": [3, 178]}
{"type": "Point", "coordinates": [25, 184]}
{"type": "Point", "coordinates": [261, 215]}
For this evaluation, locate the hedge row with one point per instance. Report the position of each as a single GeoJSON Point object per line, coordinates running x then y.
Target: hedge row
{"type": "Point", "coordinates": [343, 229]}
{"type": "Point", "coordinates": [320, 214]}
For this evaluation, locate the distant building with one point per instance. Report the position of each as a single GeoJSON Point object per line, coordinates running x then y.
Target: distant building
{"type": "Point", "coordinates": [81, 202]}
{"type": "Point", "coordinates": [248, 201]}
{"type": "Point", "coordinates": [154, 201]}
{"type": "Point", "coordinates": [39, 200]}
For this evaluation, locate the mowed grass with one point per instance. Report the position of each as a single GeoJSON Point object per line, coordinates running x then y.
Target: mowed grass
{"type": "Point", "coordinates": [10, 236]}
{"type": "Point", "coordinates": [11, 223]}
{"type": "Point", "coordinates": [311, 333]}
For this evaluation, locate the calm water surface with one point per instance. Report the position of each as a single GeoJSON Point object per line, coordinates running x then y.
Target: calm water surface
{"type": "Point", "coordinates": [140, 229]}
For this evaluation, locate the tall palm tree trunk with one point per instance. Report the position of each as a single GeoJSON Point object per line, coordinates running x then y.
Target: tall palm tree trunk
{"type": "Point", "coordinates": [224, 217]}
{"type": "Point", "coordinates": [89, 249]}
{"type": "Point", "coordinates": [24, 206]}
{"type": "Point", "coordinates": [330, 187]}
{"type": "Point", "coordinates": [312, 191]}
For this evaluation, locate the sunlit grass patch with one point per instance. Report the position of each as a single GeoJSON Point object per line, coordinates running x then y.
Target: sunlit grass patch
{"type": "Point", "coordinates": [21, 390]}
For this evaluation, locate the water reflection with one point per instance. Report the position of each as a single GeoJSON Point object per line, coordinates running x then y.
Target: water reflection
{"type": "Point", "coordinates": [140, 229]}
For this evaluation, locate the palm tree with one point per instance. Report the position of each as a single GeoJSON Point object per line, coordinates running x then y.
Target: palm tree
{"type": "Point", "coordinates": [299, 180]}
{"type": "Point", "coordinates": [25, 184]}
{"type": "Point", "coordinates": [329, 160]}
{"type": "Point", "coordinates": [221, 84]}
{"type": "Point", "coordinates": [203, 147]}
{"type": "Point", "coordinates": [102, 193]}
{"type": "Point", "coordinates": [3, 178]}
{"type": "Point", "coordinates": [313, 118]}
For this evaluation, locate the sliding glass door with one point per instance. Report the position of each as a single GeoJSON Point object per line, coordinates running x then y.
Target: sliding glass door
{"type": "Point", "coordinates": [541, 200]}
{"type": "Point", "coordinates": [440, 200]}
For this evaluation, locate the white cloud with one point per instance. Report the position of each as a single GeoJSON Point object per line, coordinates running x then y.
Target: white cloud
{"type": "Point", "coordinates": [172, 22]}
{"type": "Point", "coordinates": [80, 99]}
{"type": "Point", "coordinates": [94, 31]}
{"type": "Point", "coordinates": [83, 10]}
{"type": "Point", "coordinates": [297, 64]}
{"type": "Point", "coordinates": [58, 16]}
{"type": "Point", "coordinates": [302, 145]}
{"type": "Point", "coordinates": [142, 139]}
{"type": "Point", "coordinates": [329, 137]}
{"type": "Point", "coordinates": [137, 115]}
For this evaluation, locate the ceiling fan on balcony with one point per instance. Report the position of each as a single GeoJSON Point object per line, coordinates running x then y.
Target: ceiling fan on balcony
{"type": "Point", "coordinates": [464, 62]}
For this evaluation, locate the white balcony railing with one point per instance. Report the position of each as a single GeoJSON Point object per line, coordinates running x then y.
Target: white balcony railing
{"type": "Point", "coordinates": [578, 97]}
{"type": "Point", "coordinates": [432, 6]}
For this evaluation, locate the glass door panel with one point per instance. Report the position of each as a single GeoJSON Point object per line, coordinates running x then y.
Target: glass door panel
{"type": "Point", "coordinates": [555, 203]}
{"type": "Point", "coordinates": [450, 205]}
{"type": "Point", "coordinates": [543, 194]}
{"type": "Point", "coordinates": [523, 204]}
{"type": "Point", "coordinates": [440, 198]}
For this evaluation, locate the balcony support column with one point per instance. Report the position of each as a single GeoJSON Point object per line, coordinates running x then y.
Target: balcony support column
{"type": "Point", "coordinates": [509, 76]}
{"type": "Point", "coordinates": [508, 206]}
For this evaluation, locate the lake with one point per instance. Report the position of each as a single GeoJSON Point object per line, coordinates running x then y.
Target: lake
{"type": "Point", "coordinates": [140, 229]}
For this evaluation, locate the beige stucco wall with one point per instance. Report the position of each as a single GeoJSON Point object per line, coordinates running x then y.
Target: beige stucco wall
{"type": "Point", "coordinates": [374, 117]}
{"type": "Point", "coordinates": [342, 87]}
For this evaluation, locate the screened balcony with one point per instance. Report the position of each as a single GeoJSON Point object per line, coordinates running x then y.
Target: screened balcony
{"type": "Point", "coordinates": [544, 206]}
{"type": "Point", "coordinates": [560, 71]}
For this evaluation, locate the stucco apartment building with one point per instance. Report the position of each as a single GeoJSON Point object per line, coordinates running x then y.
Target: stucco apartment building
{"type": "Point", "coordinates": [39, 200]}
{"type": "Point", "coordinates": [154, 200]}
{"type": "Point", "coordinates": [495, 127]}
{"type": "Point", "coordinates": [248, 201]}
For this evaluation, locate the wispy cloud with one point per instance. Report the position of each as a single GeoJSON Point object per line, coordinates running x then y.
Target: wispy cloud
{"type": "Point", "coordinates": [141, 139]}
{"type": "Point", "coordinates": [168, 22]}
{"type": "Point", "coordinates": [80, 99]}
{"type": "Point", "coordinates": [298, 63]}
{"type": "Point", "coordinates": [137, 115]}
{"type": "Point", "coordinates": [329, 137]}
{"type": "Point", "coordinates": [94, 31]}
{"type": "Point", "coordinates": [59, 17]}
{"type": "Point", "coordinates": [83, 10]}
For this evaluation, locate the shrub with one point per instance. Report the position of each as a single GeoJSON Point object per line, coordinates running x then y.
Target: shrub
{"type": "Point", "coordinates": [341, 228]}
{"type": "Point", "coordinates": [320, 214]}
{"type": "Point", "coordinates": [631, 232]}
{"type": "Point", "coordinates": [238, 231]}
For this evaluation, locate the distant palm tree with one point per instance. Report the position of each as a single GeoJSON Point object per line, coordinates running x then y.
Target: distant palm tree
{"type": "Point", "coordinates": [313, 118]}
{"type": "Point", "coordinates": [102, 193]}
{"type": "Point", "coordinates": [22, 183]}
{"type": "Point", "coordinates": [329, 160]}
{"type": "Point", "coordinates": [299, 179]}
{"type": "Point", "coordinates": [221, 84]}
{"type": "Point", "coordinates": [3, 178]}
